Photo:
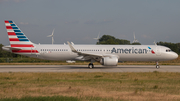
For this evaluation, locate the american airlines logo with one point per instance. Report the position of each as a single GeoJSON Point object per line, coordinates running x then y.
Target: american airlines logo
{"type": "Point", "coordinates": [131, 51]}
{"type": "Point", "coordinates": [151, 50]}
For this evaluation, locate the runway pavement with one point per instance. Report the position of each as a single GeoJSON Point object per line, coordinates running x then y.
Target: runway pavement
{"type": "Point", "coordinates": [84, 68]}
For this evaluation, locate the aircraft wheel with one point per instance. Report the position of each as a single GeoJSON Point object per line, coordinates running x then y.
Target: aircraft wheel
{"type": "Point", "coordinates": [91, 65]}
{"type": "Point", "coordinates": [157, 66]}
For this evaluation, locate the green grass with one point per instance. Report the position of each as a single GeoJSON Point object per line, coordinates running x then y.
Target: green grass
{"type": "Point", "coordinates": [92, 86]}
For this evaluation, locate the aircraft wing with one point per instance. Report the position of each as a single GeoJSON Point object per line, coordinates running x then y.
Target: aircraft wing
{"type": "Point", "coordinates": [96, 57]}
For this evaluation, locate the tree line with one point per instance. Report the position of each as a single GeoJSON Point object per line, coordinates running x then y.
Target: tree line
{"type": "Point", "coordinates": [111, 40]}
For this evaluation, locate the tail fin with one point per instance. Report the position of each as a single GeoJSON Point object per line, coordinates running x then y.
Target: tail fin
{"type": "Point", "coordinates": [17, 39]}
{"type": "Point", "coordinates": [16, 36]}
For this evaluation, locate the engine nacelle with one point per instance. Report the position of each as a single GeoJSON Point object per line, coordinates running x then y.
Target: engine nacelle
{"type": "Point", "coordinates": [109, 61]}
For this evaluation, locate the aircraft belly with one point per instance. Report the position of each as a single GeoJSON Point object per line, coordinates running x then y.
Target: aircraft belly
{"type": "Point", "coordinates": [57, 56]}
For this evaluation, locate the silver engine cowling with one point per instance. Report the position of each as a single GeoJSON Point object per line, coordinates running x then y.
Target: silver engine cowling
{"type": "Point", "coordinates": [109, 61]}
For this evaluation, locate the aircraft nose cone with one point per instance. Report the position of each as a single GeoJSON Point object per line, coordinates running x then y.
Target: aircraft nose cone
{"type": "Point", "coordinates": [175, 55]}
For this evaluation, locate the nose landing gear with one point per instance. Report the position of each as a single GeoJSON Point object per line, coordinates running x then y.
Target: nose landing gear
{"type": "Point", "coordinates": [157, 65]}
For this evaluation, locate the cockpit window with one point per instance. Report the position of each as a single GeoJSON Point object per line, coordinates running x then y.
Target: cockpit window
{"type": "Point", "coordinates": [168, 50]}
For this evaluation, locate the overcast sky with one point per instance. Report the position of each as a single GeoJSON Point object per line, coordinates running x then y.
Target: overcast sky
{"type": "Point", "coordinates": [80, 21]}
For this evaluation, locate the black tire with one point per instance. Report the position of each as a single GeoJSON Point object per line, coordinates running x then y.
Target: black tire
{"type": "Point", "coordinates": [91, 65]}
{"type": "Point", "coordinates": [157, 66]}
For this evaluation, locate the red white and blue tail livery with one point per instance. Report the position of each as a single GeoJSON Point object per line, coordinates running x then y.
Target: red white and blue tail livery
{"type": "Point", "coordinates": [18, 40]}
{"type": "Point", "coordinates": [106, 55]}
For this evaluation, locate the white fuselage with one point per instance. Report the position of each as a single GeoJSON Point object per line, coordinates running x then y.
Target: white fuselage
{"type": "Point", "coordinates": [123, 52]}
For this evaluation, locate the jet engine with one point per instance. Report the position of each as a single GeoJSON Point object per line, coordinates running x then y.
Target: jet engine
{"type": "Point", "coordinates": [109, 61]}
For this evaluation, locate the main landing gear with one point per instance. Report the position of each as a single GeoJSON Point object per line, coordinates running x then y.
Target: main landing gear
{"type": "Point", "coordinates": [157, 65]}
{"type": "Point", "coordinates": [90, 65]}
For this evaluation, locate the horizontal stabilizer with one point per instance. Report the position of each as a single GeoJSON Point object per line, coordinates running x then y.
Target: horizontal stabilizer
{"type": "Point", "coordinates": [13, 48]}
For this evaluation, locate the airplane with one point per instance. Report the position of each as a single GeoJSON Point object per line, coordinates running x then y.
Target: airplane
{"type": "Point", "coordinates": [106, 55]}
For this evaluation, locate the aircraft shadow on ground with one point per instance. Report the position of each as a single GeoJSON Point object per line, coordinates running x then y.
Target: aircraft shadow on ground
{"type": "Point", "coordinates": [76, 67]}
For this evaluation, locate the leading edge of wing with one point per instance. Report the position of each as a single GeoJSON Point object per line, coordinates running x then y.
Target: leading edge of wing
{"type": "Point", "coordinates": [81, 53]}
{"type": "Point", "coordinates": [89, 54]}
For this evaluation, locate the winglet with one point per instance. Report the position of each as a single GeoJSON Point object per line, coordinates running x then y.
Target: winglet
{"type": "Point", "coordinates": [72, 48]}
